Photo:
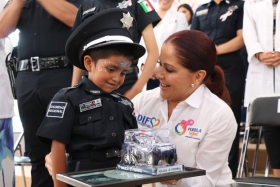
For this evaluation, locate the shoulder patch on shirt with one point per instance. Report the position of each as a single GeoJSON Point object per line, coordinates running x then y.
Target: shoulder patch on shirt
{"type": "Point", "coordinates": [90, 105]}
{"type": "Point", "coordinates": [146, 5]}
{"type": "Point", "coordinates": [56, 109]}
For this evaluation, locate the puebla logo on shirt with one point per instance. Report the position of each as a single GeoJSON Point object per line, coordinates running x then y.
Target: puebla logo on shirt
{"type": "Point", "coordinates": [147, 121]}
{"type": "Point", "coordinates": [185, 128]}
{"type": "Point", "coordinates": [181, 127]}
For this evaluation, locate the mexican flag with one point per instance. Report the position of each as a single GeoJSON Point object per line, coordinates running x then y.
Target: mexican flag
{"type": "Point", "coordinates": [146, 5]}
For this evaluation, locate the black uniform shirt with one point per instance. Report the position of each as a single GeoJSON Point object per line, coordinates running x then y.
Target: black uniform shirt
{"type": "Point", "coordinates": [84, 118]}
{"type": "Point", "coordinates": [91, 7]}
{"type": "Point", "coordinates": [219, 21]}
{"type": "Point", "coordinates": [40, 33]}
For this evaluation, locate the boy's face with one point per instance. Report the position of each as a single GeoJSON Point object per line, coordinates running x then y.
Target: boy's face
{"type": "Point", "coordinates": [109, 73]}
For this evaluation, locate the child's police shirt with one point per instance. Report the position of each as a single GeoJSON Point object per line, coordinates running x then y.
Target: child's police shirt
{"type": "Point", "coordinates": [84, 117]}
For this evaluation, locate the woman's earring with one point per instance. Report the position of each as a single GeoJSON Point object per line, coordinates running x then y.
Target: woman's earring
{"type": "Point", "coordinates": [192, 85]}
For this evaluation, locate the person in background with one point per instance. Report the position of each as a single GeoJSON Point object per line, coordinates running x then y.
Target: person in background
{"type": "Point", "coordinates": [7, 169]}
{"type": "Point", "coordinates": [171, 22]}
{"type": "Point", "coordinates": [187, 10]}
{"type": "Point", "coordinates": [261, 33]}
{"type": "Point", "coordinates": [146, 19]}
{"type": "Point", "coordinates": [192, 103]}
{"type": "Point", "coordinates": [222, 21]}
{"type": "Point", "coordinates": [44, 26]}
{"type": "Point", "coordinates": [92, 119]}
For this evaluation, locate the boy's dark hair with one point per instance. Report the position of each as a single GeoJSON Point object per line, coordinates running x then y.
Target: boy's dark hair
{"type": "Point", "coordinates": [108, 51]}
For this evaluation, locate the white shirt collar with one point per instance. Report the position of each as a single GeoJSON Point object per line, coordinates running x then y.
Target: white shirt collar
{"type": "Point", "coordinates": [194, 99]}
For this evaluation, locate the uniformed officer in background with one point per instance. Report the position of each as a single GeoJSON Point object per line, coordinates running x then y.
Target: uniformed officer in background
{"type": "Point", "coordinates": [146, 18]}
{"type": "Point", "coordinates": [89, 119]}
{"type": "Point", "coordinates": [44, 26]}
{"type": "Point", "coordinates": [222, 21]}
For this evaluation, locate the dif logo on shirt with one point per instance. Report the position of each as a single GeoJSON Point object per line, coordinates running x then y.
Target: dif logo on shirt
{"type": "Point", "coordinates": [147, 121]}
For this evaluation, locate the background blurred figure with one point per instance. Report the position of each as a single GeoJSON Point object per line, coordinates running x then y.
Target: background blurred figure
{"type": "Point", "coordinates": [171, 22]}
{"type": "Point", "coordinates": [7, 175]}
{"type": "Point", "coordinates": [262, 38]}
{"type": "Point", "coordinates": [187, 10]}
{"type": "Point", "coordinates": [222, 21]}
{"type": "Point", "coordinates": [44, 26]}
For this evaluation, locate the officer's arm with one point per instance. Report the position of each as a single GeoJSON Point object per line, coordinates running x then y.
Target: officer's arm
{"type": "Point", "coordinates": [150, 64]}
{"type": "Point", "coordinates": [61, 10]}
{"type": "Point", "coordinates": [9, 17]}
{"type": "Point", "coordinates": [232, 45]}
{"type": "Point", "coordinates": [58, 161]}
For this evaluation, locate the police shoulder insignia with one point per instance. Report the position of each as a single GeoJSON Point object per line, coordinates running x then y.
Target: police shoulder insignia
{"type": "Point", "coordinates": [126, 102]}
{"type": "Point", "coordinates": [146, 5]}
{"type": "Point", "coordinates": [90, 105]}
{"type": "Point", "coordinates": [56, 109]}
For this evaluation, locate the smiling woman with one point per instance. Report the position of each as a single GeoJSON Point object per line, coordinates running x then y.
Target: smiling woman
{"type": "Point", "coordinates": [192, 103]}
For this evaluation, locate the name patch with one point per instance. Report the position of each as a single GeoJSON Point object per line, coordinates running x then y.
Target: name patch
{"type": "Point", "coordinates": [202, 12]}
{"type": "Point", "coordinates": [56, 109]}
{"type": "Point", "coordinates": [90, 105]}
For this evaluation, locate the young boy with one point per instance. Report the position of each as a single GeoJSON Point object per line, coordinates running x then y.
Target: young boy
{"type": "Point", "coordinates": [88, 120]}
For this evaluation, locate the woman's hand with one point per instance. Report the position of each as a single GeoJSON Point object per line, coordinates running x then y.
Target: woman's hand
{"type": "Point", "coordinates": [48, 163]}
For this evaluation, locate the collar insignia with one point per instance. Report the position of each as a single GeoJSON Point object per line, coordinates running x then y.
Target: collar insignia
{"type": "Point", "coordinates": [89, 10]}
{"type": "Point", "coordinates": [124, 4]}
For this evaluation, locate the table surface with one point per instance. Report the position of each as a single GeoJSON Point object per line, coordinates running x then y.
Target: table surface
{"type": "Point", "coordinates": [116, 178]}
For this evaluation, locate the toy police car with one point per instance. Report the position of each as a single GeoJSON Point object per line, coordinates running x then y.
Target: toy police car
{"type": "Point", "coordinates": [143, 147]}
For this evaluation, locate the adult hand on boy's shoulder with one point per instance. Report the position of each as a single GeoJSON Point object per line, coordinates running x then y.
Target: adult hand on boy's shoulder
{"type": "Point", "coordinates": [48, 163]}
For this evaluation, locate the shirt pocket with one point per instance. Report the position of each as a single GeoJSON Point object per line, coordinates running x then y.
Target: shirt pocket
{"type": "Point", "coordinates": [91, 124]}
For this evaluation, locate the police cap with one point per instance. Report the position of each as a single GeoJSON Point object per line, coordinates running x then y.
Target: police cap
{"type": "Point", "coordinates": [109, 27]}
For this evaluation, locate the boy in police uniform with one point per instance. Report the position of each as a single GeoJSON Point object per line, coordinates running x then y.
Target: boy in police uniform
{"type": "Point", "coordinates": [146, 18]}
{"type": "Point", "coordinates": [88, 120]}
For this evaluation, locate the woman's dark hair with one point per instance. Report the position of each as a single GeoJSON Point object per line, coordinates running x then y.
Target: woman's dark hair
{"type": "Point", "coordinates": [189, 8]}
{"type": "Point", "coordinates": [111, 50]}
{"type": "Point", "coordinates": [196, 51]}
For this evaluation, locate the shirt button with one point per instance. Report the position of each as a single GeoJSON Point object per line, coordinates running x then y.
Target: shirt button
{"type": "Point", "coordinates": [38, 6]}
{"type": "Point", "coordinates": [89, 118]}
{"type": "Point", "coordinates": [114, 134]}
{"type": "Point", "coordinates": [35, 34]}
{"type": "Point", "coordinates": [108, 99]}
{"type": "Point", "coordinates": [111, 118]}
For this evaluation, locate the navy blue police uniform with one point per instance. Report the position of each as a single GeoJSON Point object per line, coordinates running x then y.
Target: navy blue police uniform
{"type": "Point", "coordinates": [42, 71]}
{"type": "Point", "coordinates": [221, 22]}
{"type": "Point", "coordinates": [89, 121]}
{"type": "Point", "coordinates": [143, 18]}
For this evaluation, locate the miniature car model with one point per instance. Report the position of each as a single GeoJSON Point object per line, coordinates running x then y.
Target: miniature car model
{"type": "Point", "coordinates": [144, 148]}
